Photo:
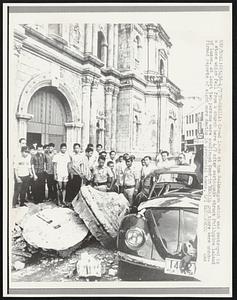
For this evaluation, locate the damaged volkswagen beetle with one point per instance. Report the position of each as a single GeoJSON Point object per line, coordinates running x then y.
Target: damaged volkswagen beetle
{"type": "Point", "coordinates": [159, 242]}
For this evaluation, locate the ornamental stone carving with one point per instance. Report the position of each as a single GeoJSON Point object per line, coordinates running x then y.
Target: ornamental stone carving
{"type": "Point", "coordinates": [116, 91]}
{"type": "Point", "coordinates": [75, 34]}
{"type": "Point", "coordinates": [126, 82]}
{"type": "Point", "coordinates": [172, 114]}
{"type": "Point", "coordinates": [154, 78]}
{"type": "Point", "coordinates": [87, 80]}
{"type": "Point", "coordinates": [95, 83]}
{"type": "Point", "coordinates": [109, 89]}
{"type": "Point", "coordinates": [17, 48]}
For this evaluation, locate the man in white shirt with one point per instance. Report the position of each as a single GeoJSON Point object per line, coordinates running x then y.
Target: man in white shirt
{"type": "Point", "coordinates": [96, 154]}
{"type": "Point", "coordinates": [76, 174]}
{"type": "Point", "coordinates": [61, 162]}
{"type": "Point", "coordinates": [87, 167]}
{"type": "Point", "coordinates": [22, 171]}
{"type": "Point", "coordinates": [147, 168]}
{"type": "Point", "coordinates": [164, 164]}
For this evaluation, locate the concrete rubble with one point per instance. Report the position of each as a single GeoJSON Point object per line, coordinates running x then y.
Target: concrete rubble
{"type": "Point", "coordinates": [40, 239]}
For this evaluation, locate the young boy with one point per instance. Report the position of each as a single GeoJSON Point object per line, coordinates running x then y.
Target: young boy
{"type": "Point", "coordinates": [49, 169]}
{"type": "Point", "coordinates": [22, 171]}
{"type": "Point", "coordinates": [114, 184]}
{"type": "Point", "coordinates": [61, 163]}
{"type": "Point", "coordinates": [76, 175]}
{"type": "Point", "coordinates": [120, 167]}
{"type": "Point", "coordinates": [38, 169]}
{"type": "Point", "coordinates": [87, 166]}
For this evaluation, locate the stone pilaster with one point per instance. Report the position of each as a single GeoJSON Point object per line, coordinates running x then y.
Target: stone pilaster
{"type": "Point", "coordinates": [86, 94]}
{"type": "Point", "coordinates": [150, 47]}
{"type": "Point", "coordinates": [88, 38]}
{"type": "Point", "coordinates": [92, 137]}
{"type": "Point", "coordinates": [114, 118]}
{"type": "Point", "coordinates": [108, 115]}
{"type": "Point", "coordinates": [73, 133]}
{"type": "Point", "coordinates": [22, 124]}
{"type": "Point", "coordinates": [115, 63]}
{"type": "Point", "coordinates": [110, 46]}
{"type": "Point", "coordinates": [94, 40]}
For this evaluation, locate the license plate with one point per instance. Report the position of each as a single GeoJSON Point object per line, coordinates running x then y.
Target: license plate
{"type": "Point", "coordinates": [173, 266]}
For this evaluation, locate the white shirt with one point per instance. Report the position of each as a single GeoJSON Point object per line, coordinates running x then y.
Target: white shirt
{"type": "Point", "coordinates": [164, 164]}
{"type": "Point", "coordinates": [77, 162]}
{"type": "Point", "coordinates": [62, 160]}
{"type": "Point", "coordinates": [22, 165]}
{"type": "Point", "coordinates": [147, 170]}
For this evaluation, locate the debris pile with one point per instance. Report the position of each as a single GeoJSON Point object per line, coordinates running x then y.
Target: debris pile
{"type": "Point", "coordinates": [22, 252]}
{"type": "Point", "coordinates": [43, 232]}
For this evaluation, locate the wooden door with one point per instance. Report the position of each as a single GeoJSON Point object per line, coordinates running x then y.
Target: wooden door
{"type": "Point", "coordinates": [49, 116]}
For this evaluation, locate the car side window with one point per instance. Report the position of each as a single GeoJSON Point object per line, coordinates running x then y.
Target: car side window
{"type": "Point", "coordinates": [189, 230]}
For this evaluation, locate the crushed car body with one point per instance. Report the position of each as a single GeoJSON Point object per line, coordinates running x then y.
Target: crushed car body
{"type": "Point", "coordinates": [159, 242]}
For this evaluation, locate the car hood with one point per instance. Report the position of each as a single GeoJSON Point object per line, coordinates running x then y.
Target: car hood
{"type": "Point", "coordinates": [188, 200]}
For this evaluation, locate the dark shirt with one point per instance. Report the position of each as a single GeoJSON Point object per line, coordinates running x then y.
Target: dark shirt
{"type": "Point", "coordinates": [49, 162]}
{"type": "Point", "coordinates": [38, 161]}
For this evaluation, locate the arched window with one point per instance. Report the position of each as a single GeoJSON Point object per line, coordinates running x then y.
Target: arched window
{"type": "Point", "coordinates": [162, 67]}
{"type": "Point", "coordinates": [101, 46]}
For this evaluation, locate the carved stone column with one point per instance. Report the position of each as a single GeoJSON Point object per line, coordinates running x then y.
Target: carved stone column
{"type": "Point", "coordinates": [94, 39]}
{"type": "Point", "coordinates": [86, 94]}
{"type": "Point", "coordinates": [94, 87]}
{"type": "Point", "coordinates": [115, 46]}
{"type": "Point", "coordinates": [22, 124]}
{"type": "Point", "coordinates": [88, 38]}
{"type": "Point", "coordinates": [73, 133]}
{"type": "Point", "coordinates": [150, 41]}
{"type": "Point", "coordinates": [114, 118]}
{"type": "Point", "coordinates": [108, 115]}
{"type": "Point", "coordinates": [110, 46]}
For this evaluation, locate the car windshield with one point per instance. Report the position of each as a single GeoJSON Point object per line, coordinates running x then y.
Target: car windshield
{"type": "Point", "coordinates": [182, 178]}
{"type": "Point", "coordinates": [176, 227]}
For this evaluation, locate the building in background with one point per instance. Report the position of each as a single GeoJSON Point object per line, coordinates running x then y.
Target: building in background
{"type": "Point", "coordinates": [193, 124]}
{"type": "Point", "coordinates": [97, 83]}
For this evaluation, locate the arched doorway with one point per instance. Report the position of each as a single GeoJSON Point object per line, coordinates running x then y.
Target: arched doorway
{"type": "Point", "coordinates": [47, 105]}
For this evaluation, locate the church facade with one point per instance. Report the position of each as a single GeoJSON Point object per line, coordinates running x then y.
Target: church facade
{"type": "Point", "coordinates": [97, 83]}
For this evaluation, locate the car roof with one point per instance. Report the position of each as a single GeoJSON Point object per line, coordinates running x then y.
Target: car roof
{"type": "Point", "coordinates": [171, 202]}
{"type": "Point", "coordinates": [188, 170]}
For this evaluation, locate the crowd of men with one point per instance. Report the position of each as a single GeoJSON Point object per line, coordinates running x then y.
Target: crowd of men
{"type": "Point", "coordinates": [37, 167]}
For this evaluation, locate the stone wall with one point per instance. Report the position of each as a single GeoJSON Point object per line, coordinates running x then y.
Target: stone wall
{"type": "Point", "coordinates": [82, 79]}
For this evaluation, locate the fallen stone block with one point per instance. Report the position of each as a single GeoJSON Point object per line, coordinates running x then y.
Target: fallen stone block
{"type": "Point", "coordinates": [56, 228]}
{"type": "Point", "coordinates": [101, 212]}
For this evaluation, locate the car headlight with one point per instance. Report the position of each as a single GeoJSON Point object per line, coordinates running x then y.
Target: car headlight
{"type": "Point", "coordinates": [134, 238]}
